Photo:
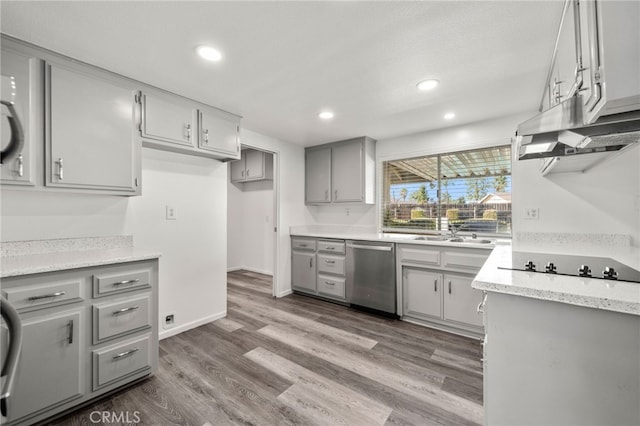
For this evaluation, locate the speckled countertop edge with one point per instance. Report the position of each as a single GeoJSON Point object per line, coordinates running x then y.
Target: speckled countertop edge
{"type": "Point", "coordinates": [33, 257]}
{"type": "Point", "coordinates": [609, 295]}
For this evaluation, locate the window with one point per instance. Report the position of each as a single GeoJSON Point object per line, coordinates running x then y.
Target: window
{"type": "Point", "coordinates": [469, 191]}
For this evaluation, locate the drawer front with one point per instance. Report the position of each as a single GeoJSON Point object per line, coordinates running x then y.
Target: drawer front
{"type": "Point", "coordinates": [118, 361]}
{"type": "Point", "coordinates": [464, 259]}
{"type": "Point", "coordinates": [331, 264]}
{"type": "Point", "coordinates": [121, 317]}
{"type": "Point", "coordinates": [419, 255]}
{"type": "Point", "coordinates": [303, 244]}
{"type": "Point", "coordinates": [43, 295]}
{"type": "Point", "coordinates": [111, 283]}
{"type": "Point", "coordinates": [331, 286]}
{"type": "Point", "coordinates": [331, 246]}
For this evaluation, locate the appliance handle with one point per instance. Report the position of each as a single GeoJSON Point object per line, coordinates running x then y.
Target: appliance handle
{"type": "Point", "coordinates": [378, 248]}
{"type": "Point", "coordinates": [17, 137]}
{"type": "Point", "coordinates": [14, 325]}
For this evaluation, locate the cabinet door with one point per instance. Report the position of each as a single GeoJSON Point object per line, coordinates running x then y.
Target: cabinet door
{"type": "Point", "coordinates": [318, 176]}
{"type": "Point", "coordinates": [421, 293]}
{"type": "Point", "coordinates": [49, 367]}
{"type": "Point", "coordinates": [303, 271]}
{"type": "Point", "coordinates": [565, 71]}
{"type": "Point", "coordinates": [90, 140]}
{"type": "Point", "coordinates": [347, 172]}
{"type": "Point", "coordinates": [25, 72]}
{"type": "Point", "coordinates": [253, 164]}
{"type": "Point", "coordinates": [220, 133]}
{"type": "Point", "coordinates": [167, 120]}
{"type": "Point", "coordinates": [461, 300]}
{"type": "Point", "coordinates": [237, 170]}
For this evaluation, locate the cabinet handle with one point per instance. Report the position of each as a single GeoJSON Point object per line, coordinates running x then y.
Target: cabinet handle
{"type": "Point", "coordinates": [329, 283]}
{"type": "Point", "coordinates": [47, 296]}
{"type": "Point", "coordinates": [335, 196]}
{"type": "Point", "coordinates": [20, 170]}
{"type": "Point", "coordinates": [331, 248]}
{"type": "Point", "coordinates": [435, 285]}
{"type": "Point", "coordinates": [326, 194]}
{"type": "Point", "coordinates": [311, 262]}
{"type": "Point", "coordinates": [242, 173]}
{"type": "Point", "coordinates": [480, 308]}
{"type": "Point", "coordinates": [124, 354]}
{"type": "Point", "coordinates": [125, 282]}
{"type": "Point", "coordinates": [60, 168]}
{"type": "Point", "coordinates": [303, 245]}
{"type": "Point", "coordinates": [70, 326]}
{"type": "Point", "coordinates": [123, 310]}
{"type": "Point", "coordinates": [247, 172]}
{"type": "Point", "coordinates": [449, 286]}
{"type": "Point", "coordinates": [330, 262]}
{"type": "Point", "coordinates": [205, 135]}
{"type": "Point", "coordinates": [188, 127]}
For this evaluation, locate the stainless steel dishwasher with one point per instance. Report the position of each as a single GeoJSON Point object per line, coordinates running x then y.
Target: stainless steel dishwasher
{"type": "Point", "coordinates": [371, 276]}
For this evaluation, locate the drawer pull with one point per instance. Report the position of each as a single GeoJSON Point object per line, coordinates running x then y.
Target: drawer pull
{"type": "Point", "coordinates": [331, 248]}
{"type": "Point", "coordinates": [48, 296]}
{"type": "Point", "coordinates": [302, 245]}
{"type": "Point", "coordinates": [123, 310]}
{"type": "Point", "coordinates": [329, 283]}
{"type": "Point", "coordinates": [330, 262]}
{"type": "Point", "coordinates": [125, 282]}
{"type": "Point", "coordinates": [125, 354]}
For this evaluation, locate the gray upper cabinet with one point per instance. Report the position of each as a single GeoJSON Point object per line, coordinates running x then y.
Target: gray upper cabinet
{"type": "Point", "coordinates": [219, 132]}
{"type": "Point", "coordinates": [90, 141]}
{"type": "Point", "coordinates": [167, 120]}
{"type": "Point", "coordinates": [341, 172]}
{"type": "Point", "coordinates": [26, 73]}
{"type": "Point", "coordinates": [318, 175]}
{"type": "Point", "coordinates": [253, 165]}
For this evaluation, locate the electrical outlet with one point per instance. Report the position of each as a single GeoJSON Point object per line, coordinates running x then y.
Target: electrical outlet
{"type": "Point", "coordinates": [532, 213]}
{"type": "Point", "coordinates": [172, 213]}
{"type": "Point", "coordinates": [169, 320]}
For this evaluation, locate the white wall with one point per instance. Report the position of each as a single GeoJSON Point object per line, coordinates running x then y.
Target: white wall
{"type": "Point", "coordinates": [603, 200]}
{"type": "Point", "coordinates": [250, 235]}
{"type": "Point", "coordinates": [193, 264]}
{"type": "Point", "coordinates": [475, 135]}
{"type": "Point", "coordinates": [289, 185]}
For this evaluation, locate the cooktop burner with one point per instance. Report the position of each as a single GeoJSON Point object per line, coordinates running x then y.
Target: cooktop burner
{"type": "Point", "coordinates": [578, 266]}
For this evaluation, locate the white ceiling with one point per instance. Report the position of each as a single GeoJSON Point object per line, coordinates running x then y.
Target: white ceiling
{"type": "Point", "coordinates": [285, 61]}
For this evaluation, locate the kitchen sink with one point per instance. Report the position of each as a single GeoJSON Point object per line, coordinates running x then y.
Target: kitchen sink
{"type": "Point", "coordinates": [469, 241]}
{"type": "Point", "coordinates": [433, 238]}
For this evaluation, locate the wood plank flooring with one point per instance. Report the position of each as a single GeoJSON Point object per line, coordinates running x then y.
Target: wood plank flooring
{"type": "Point", "coordinates": [301, 361]}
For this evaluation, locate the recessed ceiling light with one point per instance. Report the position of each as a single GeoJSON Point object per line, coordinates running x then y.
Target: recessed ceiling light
{"type": "Point", "coordinates": [427, 84]}
{"type": "Point", "coordinates": [326, 115]}
{"type": "Point", "coordinates": [209, 53]}
{"type": "Point", "coordinates": [449, 116]}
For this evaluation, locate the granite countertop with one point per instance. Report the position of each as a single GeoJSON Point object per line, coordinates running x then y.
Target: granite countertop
{"type": "Point", "coordinates": [609, 295]}
{"type": "Point", "coordinates": [365, 234]}
{"type": "Point", "coordinates": [38, 256]}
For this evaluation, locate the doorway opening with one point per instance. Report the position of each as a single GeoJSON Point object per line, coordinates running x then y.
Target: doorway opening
{"type": "Point", "coordinates": [252, 213]}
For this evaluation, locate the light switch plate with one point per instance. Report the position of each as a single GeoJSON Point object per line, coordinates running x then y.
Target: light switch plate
{"type": "Point", "coordinates": [532, 213]}
{"type": "Point", "coordinates": [172, 213]}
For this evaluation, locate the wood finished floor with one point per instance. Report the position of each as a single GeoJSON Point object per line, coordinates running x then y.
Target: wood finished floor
{"type": "Point", "coordinates": [301, 361]}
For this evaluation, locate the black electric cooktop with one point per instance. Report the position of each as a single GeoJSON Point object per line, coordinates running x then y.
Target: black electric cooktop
{"type": "Point", "coordinates": [572, 265]}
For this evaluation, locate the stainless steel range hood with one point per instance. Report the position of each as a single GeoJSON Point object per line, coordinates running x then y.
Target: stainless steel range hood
{"type": "Point", "coordinates": [560, 131]}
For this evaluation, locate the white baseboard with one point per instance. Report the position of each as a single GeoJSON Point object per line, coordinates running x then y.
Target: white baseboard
{"type": "Point", "coordinates": [284, 293]}
{"type": "Point", "coordinates": [250, 269]}
{"type": "Point", "coordinates": [184, 327]}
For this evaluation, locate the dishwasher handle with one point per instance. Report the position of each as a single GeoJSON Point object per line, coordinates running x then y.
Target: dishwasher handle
{"type": "Point", "coordinates": [366, 247]}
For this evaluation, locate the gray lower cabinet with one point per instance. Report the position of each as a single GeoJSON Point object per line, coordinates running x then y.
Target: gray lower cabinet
{"type": "Point", "coordinates": [25, 71]}
{"type": "Point", "coordinates": [86, 332]}
{"type": "Point", "coordinates": [89, 132]}
{"type": "Point", "coordinates": [50, 367]}
{"type": "Point", "coordinates": [318, 267]}
{"type": "Point", "coordinates": [341, 172]}
{"type": "Point", "coordinates": [436, 287]}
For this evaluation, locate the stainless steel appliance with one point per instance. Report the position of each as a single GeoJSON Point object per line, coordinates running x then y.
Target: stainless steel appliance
{"type": "Point", "coordinates": [578, 266]}
{"type": "Point", "coordinates": [11, 351]}
{"type": "Point", "coordinates": [371, 276]}
{"type": "Point", "coordinates": [16, 140]}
